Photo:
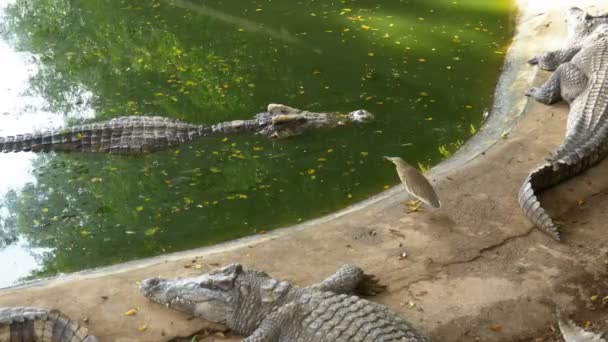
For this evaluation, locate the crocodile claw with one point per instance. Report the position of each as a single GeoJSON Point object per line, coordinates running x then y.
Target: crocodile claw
{"type": "Point", "coordinates": [369, 286]}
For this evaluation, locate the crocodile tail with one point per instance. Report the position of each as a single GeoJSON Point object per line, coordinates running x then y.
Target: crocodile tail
{"type": "Point", "coordinates": [124, 135]}
{"type": "Point", "coordinates": [530, 204]}
{"type": "Point", "coordinates": [553, 173]}
{"type": "Point", "coordinates": [36, 324]}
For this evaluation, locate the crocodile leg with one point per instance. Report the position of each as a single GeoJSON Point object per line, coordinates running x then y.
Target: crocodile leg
{"type": "Point", "coordinates": [270, 328]}
{"type": "Point", "coordinates": [552, 59]}
{"type": "Point", "coordinates": [350, 279]}
{"type": "Point", "coordinates": [567, 82]}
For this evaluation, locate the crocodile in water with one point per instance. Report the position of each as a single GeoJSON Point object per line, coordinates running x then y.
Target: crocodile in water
{"type": "Point", "coordinates": [581, 79]}
{"type": "Point", "coordinates": [42, 325]}
{"type": "Point", "coordinates": [141, 134]}
{"type": "Point", "coordinates": [264, 309]}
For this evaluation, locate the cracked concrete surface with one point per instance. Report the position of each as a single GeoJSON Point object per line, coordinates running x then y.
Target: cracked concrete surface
{"type": "Point", "coordinates": [475, 270]}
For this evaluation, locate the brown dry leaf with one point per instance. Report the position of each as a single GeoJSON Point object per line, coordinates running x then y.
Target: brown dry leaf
{"type": "Point", "coordinates": [496, 328]}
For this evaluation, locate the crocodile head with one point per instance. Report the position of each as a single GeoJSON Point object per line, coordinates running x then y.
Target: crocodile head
{"type": "Point", "coordinates": [360, 115]}
{"type": "Point", "coordinates": [213, 296]}
{"type": "Point", "coordinates": [581, 23]}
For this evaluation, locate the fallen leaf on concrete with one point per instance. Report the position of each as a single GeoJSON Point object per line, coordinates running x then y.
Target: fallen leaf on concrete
{"type": "Point", "coordinates": [131, 312]}
{"type": "Point", "coordinates": [496, 328]}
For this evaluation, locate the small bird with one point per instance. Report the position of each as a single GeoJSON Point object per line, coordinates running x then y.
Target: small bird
{"type": "Point", "coordinates": [416, 184]}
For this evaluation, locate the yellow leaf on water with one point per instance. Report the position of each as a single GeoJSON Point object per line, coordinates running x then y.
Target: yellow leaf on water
{"type": "Point", "coordinates": [215, 170]}
{"type": "Point", "coordinates": [225, 139]}
{"type": "Point", "coordinates": [365, 27]}
{"type": "Point", "coordinates": [142, 327]}
{"type": "Point", "coordinates": [131, 312]}
{"type": "Point", "coordinates": [45, 210]}
{"type": "Point", "coordinates": [139, 208]}
{"type": "Point", "coordinates": [257, 148]}
{"type": "Point", "coordinates": [311, 171]}
{"type": "Point", "coordinates": [85, 232]}
{"type": "Point", "coordinates": [151, 231]}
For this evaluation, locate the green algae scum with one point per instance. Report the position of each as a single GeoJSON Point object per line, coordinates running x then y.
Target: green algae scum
{"type": "Point", "coordinates": [426, 69]}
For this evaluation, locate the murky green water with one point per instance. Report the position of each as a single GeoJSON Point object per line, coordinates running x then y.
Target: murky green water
{"type": "Point", "coordinates": [427, 69]}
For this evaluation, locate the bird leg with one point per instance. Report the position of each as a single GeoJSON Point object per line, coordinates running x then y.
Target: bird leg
{"type": "Point", "coordinates": [413, 206]}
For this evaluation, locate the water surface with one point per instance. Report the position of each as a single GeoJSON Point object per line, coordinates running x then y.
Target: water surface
{"type": "Point", "coordinates": [427, 69]}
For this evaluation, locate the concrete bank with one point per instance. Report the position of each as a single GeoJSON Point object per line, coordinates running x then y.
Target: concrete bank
{"type": "Point", "coordinates": [475, 269]}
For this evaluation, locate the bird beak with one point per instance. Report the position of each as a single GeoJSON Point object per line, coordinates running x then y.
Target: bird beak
{"type": "Point", "coordinates": [387, 158]}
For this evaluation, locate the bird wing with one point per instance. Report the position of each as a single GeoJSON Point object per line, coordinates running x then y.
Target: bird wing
{"type": "Point", "coordinates": [573, 333]}
{"type": "Point", "coordinates": [420, 187]}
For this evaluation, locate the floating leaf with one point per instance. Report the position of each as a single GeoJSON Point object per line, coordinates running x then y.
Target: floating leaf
{"type": "Point", "coordinates": [151, 231]}
{"type": "Point", "coordinates": [139, 208]}
{"type": "Point", "coordinates": [472, 129]}
{"type": "Point", "coordinates": [215, 170]}
{"type": "Point", "coordinates": [85, 232]}
{"type": "Point", "coordinates": [311, 171]}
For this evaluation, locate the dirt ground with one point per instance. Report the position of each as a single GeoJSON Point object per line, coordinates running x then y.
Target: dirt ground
{"type": "Point", "coordinates": [476, 269]}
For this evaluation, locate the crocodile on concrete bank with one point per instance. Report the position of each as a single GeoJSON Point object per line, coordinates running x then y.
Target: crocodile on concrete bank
{"type": "Point", "coordinates": [581, 79]}
{"type": "Point", "coordinates": [34, 324]}
{"type": "Point", "coordinates": [141, 134]}
{"type": "Point", "coordinates": [264, 309]}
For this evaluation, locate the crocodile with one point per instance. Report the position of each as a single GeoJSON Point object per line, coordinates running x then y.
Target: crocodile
{"type": "Point", "coordinates": [581, 79]}
{"type": "Point", "coordinates": [253, 304]}
{"type": "Point", "coordinates": [142, 134]}
{"type": "Point", "coordinates": [29, 324]}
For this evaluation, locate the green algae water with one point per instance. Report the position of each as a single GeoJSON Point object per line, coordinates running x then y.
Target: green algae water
{"type": "Point", "coordinates": [426, 69]}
